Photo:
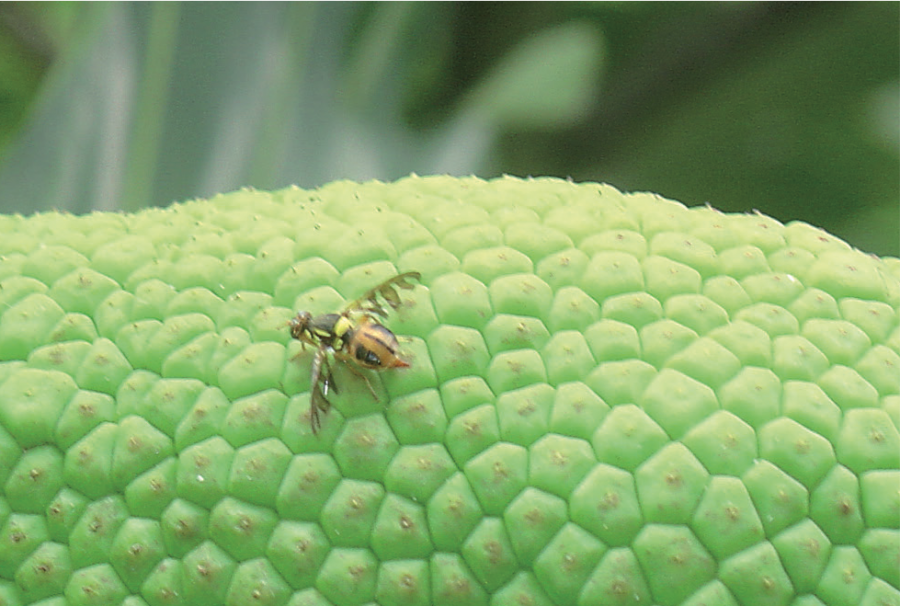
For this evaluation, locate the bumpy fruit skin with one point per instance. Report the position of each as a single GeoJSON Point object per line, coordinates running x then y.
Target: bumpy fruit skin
{"type": "Point", "coordinates": [612, 399]}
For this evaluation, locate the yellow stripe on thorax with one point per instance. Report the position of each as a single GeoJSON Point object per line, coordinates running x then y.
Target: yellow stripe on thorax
{"type": "Point", "coordinates": [342, 326]}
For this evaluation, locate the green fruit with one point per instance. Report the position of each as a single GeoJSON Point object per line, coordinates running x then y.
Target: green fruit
{"type": "Point", "coordinates": [612, 399]}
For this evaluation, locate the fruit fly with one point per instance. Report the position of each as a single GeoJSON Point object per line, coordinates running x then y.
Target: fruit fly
{"type": "Point", "coordinates": [354, 335]}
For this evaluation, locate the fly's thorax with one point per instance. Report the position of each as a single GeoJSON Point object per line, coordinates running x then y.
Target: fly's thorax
{"type": "Point", "coordinates": [324, 329]}
{"type": "Point", "coordinates": [342, 326]}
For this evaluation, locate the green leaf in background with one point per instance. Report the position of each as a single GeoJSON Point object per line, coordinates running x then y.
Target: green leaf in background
{"type": "Point", "coordinates": [170, 100]}
{"type": "Point", "coordinates": [545, 82]}
{"type": "Point", "coordinates": [789, 108]}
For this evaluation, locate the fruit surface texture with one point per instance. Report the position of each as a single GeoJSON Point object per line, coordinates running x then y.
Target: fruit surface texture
{"type": "Point", "coordinates": [611, 399]}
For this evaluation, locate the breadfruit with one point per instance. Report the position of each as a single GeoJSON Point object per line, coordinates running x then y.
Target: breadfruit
{"type": "Point", "coordinates": [611, 399]}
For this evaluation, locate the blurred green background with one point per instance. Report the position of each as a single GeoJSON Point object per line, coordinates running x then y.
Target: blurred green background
{"type": "Point", "coordinates": [788, 108]}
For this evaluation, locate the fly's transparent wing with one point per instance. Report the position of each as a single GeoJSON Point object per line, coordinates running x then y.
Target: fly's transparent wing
{"type": "Point", "coordinates": [369, 302]}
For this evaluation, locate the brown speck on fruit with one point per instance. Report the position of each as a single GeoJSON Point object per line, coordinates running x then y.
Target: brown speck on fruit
{"type": "Point", "coordinates": [523, 599]}
{"type": "Point", "coordinates": [256, 465]}
{"type": "Point", "coordinates": [559, 458]}
{"type": "Point", "coordinates": [618, 587]}
{"type": "Point", "coordinates": [569, 561]}
{"type": "Point", "coordinates": [534, 516]}
{"type": "Point", "coordinates": [768, 583]}
{"type": "Point", "coordinates": [845, 506]}
{"type": "Point", "coordinates": [57, 356]}
{"type": "Point", "coordinates": [673, 479]}
{"type": "Point", "coordinates": [407, 581]}
{"type": "Point", "coordinates": [514, 366]}
{"type": "Point", "coordinates": [812, 547]}
{"type": "Point", "coordinates": [802, 446]}
{"type": "Point", "coordinates": [245, 524]}
{"type": "Point", "coordinates": [184, 529]}
{"type": "Point", "coordinates": [252, 412]}
{"type": "Point", "coordinates": [406, 523]}
{"type": "Point", "coordinates": [357, 571]}
{"type": "Point", "coordinates": [473, 429]}
{"type": "Point", "coordinates": [494, 551]}
{"type": "Point", "coordinates": [500, 471]}
{"type": "Point", "coordinates": [610, 501]}
{"type": "Point", "coordinates": [733, 512]}
{"type": "Point", "coordinates": [460, 585]}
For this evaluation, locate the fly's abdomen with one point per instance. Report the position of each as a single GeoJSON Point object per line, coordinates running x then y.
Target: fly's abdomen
{"type": "Point", "coordinates": [374, 346]}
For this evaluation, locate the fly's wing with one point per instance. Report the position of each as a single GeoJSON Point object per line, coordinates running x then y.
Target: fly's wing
{"type": "Point", "coordinates": [369, 302]}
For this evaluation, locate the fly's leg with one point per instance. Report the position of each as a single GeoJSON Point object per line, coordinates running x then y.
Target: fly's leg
{"type": "Point", "coordinates": [320, 382]}
{"type": "Point", "coordinates": [350, 365]}
{"type": "Point", "coordinates": [302, 350]}
{"type": "Point", "coordinates": [366, 379]}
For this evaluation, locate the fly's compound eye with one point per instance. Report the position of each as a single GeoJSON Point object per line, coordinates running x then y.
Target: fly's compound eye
{"type": "Point", "coordinates": [299, 324]}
